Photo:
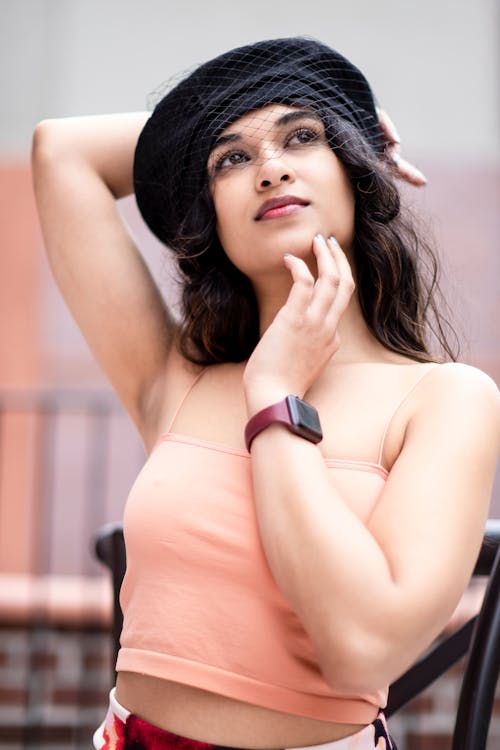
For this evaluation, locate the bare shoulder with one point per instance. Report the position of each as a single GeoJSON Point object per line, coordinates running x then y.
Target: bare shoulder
{"type": "Point", "coordinates": [464, 395]}
{"type": "Point", "coordinates": [457, 380]}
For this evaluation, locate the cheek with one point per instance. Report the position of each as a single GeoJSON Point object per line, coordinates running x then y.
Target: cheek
{"type": "Point", "coordinates": [224, 205]}
{"type": "Point", "coordinates": [346, 196]}
{"type": "Point", "coordinates": [229, 204]}
{"type": "Point", "coordinates": [340, 179]}
{"type": "Point", "coordinates": [225, 225]}
{"type": "Point", "coordinates": [326, 170]}
{"type": "Point", "coordinates": [339, 201]}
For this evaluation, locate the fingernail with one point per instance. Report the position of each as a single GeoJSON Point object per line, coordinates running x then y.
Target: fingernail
{"type": "Point", "coordinates": [420, 176]}
{"type": "Point", "coordinates": [319, 236]}
{"type": "Point", "coordinates": [332, 239]}
{"type": "Point", "coordinates": [288, 255]}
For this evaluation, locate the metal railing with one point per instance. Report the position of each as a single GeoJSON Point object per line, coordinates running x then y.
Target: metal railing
{"type": "Point", "coordinates": [68, 457]}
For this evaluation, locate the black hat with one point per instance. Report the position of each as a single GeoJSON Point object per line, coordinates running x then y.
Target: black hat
{"type": "Point", "coordinates": [172, 151]}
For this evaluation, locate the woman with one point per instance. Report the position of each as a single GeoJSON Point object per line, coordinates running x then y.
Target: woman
{"type": "Point", "coordinates": [317, 484]}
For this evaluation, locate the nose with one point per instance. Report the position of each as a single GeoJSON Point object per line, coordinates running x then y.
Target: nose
{"type": "Point", "coordinates": [272, 172]}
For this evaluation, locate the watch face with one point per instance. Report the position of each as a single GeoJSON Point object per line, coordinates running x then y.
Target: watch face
{"type": "Point", "coordinates": [305, 419]}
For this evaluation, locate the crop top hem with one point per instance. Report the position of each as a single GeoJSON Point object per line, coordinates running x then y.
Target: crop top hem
{"type": "Point", "coordinates": [247, 689]}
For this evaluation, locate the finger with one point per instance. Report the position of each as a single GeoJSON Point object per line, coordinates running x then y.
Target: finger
{"type": "Point", "coordinates": [408, 172]}
{"type": "Point", "coordinates": [334, 277]}
{"type": "Point", "coordinates": [387, 126]}
{"type": "Point", "coordinates": [346, 286]}
{"type": "Point", "coordinates": [301, 292]}
{"type": "Point", "coordinates": [328, 279]}
{"type": "Point", "coordinates": [393, 151]}
{"type": "Point", "coordinates": [341, 259]}
{"type": "Point", "coordinates": [404, 170]}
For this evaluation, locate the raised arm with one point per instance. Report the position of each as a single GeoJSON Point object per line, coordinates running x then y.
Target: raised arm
{"type": "Point", "coordinates": [81, 166]}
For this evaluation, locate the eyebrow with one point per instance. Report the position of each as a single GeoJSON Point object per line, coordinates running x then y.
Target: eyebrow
{"type": "Point", "coordinates": [286, 119]}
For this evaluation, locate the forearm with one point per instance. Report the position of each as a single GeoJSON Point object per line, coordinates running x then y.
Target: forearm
{"type": "Point", "coordinates": [373, 597]}
{"type": "Point", "coordinates": [327, 563]}
{"type": "Point", "coordinates": [104, 144]}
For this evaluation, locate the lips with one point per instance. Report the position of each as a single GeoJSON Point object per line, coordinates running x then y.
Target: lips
{"type": "Point", "coordinates": [279, 202]}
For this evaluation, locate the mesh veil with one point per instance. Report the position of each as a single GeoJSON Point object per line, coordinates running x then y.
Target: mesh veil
{"type": "Point", "coordinates": [170, 165]}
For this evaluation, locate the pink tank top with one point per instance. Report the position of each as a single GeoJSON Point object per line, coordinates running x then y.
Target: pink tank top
{"type": "Point", "coordinates": [200, 604]}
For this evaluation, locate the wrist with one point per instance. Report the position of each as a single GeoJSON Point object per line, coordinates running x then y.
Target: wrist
{"type": "Point", "coordinates": [296, 415]}
{"type": "Point", "coordinates": [263, 393]}
{"type": "Point", "coordinates": [258, 401]}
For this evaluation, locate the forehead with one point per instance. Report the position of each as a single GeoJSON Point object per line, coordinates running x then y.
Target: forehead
{"type": "Point", "coordinates": [263, 119]}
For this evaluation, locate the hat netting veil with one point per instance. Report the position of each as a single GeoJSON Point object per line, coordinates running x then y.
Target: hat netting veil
{"type": "Point", "coordinates": [170, 166]}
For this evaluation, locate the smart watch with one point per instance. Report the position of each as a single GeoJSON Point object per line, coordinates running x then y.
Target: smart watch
{"type": "Point", "coordinates": [296, 415]}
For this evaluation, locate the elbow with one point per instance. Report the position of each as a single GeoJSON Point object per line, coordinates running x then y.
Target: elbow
{"type": "Point", "coordinates": [359, 665]}
{"type": "Point", "coordinates": [44, 143]}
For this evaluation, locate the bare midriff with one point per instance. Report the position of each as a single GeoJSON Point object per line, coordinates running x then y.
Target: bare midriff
{"type": "Point", "coordinates": [208, 717]}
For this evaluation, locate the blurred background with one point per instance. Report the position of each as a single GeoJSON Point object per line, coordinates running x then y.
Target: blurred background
{"type": "Point", "coordinates": [67, 452]}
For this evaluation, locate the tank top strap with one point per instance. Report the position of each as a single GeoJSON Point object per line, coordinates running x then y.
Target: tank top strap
{"type": "Point", "coordinates": [184, 397]}
{"type": "Point", "coordinates": [429, 369]}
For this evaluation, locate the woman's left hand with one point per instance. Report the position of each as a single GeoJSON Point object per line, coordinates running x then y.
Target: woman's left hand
{"type": "Point", "coordinates": [404, 170]}
{"type": "Point", "coordinates": [304, 335]}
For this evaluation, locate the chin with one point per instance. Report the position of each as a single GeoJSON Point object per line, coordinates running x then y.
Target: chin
{"type": "Point", "coordinates": [298, 242]}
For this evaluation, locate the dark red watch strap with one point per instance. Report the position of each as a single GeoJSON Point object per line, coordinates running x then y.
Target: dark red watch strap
{"type": "Point", "coordinates": [270, 415]}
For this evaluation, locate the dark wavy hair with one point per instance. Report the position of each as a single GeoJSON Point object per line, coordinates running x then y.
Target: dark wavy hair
{"type": "Point", "coordinates": [396, 270]}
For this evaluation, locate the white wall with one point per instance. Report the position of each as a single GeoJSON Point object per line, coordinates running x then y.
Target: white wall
{"type": "Point", "coordinates": [432, 63]}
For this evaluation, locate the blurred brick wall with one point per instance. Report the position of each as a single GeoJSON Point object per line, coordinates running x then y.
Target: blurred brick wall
{"type": "Point", "coordinates": [66, 672]}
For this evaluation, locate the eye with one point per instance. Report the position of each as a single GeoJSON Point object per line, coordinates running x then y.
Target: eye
{"type": "Point", "coordinates": [302, 136]}
{"type": "Point", "coordinates": [230, 159]}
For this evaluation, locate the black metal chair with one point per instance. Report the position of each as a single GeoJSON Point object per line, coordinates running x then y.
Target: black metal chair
{"type": "Point", "coordinates": [479, 639]}
{"type": "Point", "coordinates": [109, 546]}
